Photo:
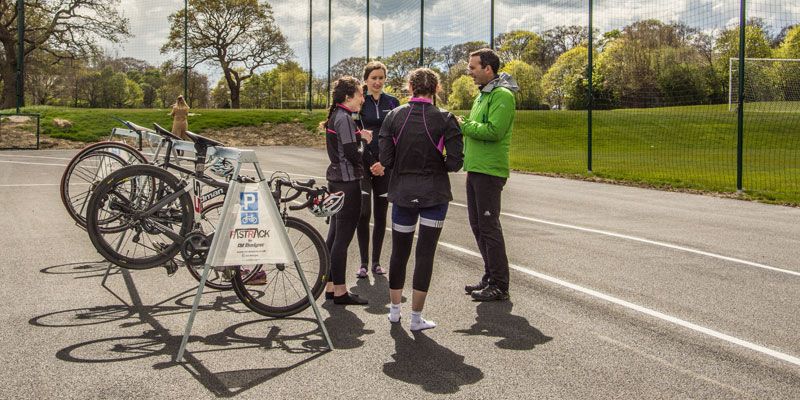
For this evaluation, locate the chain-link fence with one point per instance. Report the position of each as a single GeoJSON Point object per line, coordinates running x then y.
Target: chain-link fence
{"type": "Point", "coordinates": [634, 89]}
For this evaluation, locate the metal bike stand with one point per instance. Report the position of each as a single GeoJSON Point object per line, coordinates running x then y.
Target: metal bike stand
{"type": "Point", "coordinates": [245, 157]}
{"type": "Point", "coordinates": [110, 264]}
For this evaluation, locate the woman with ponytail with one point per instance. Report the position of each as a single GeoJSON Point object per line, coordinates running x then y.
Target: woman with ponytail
{"type": "Point", "coordinates": [344, 144]}
{"type": "Point", "coordinates": [421, 144]}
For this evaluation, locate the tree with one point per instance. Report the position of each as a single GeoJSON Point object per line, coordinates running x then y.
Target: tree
{"type": "Point", "coordinates": [351, 66]}
{"type": "Point", "coordinates": [64, 29]}
{"type": "Point", "coordinates": [238, 35]}
{"type": "Point", "coordinates": [519, 45]}
{"type": "Point", "coordinates": [726, 47]}
{"type": "Point", "coordinates": [557, 41]}
{"type": "Point", "coordinates": [400, 64]}
{"type": "Point", "coordinates": [453, 54]}
{"type": "Point", "coordinates": [463, 94]}
{"type": "Point", "coordinates": [635, 64]}
{"type": "Point", "coordinates": [788, 73]}
{"type": "Point", "coordinates": [562, 82]}
{"type": "Point", "coordinates": [529, 79]}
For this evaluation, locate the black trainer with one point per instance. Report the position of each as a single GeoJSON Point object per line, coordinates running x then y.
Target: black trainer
{"type": "Point", "coordinates": [350, 299]}
{"type": "Point", "coordinates": [490, 293]}
{"type": "Point", "coordinates": [479, 286]}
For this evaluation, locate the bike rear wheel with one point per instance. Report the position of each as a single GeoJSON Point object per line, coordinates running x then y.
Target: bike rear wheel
{"type": "Point", "coordinates": [284, 295]}
{"type": "Point", "coordinates": [87, 169]}
{"type": "Point", "coordinates": [138, 216]}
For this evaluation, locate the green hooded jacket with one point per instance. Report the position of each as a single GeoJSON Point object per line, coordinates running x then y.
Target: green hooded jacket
{"type": "Point", "coordinates": [487, 130]}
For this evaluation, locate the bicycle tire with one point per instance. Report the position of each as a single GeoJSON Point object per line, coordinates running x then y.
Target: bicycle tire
{"type": "Point", "coordinates": [216, 280]}
{"type": "Point", "coordinates": [315, 269]}
{"type": "Point", "coordinates": [112, 150]}
{"type": "Point", "coordinates": [133, 227]}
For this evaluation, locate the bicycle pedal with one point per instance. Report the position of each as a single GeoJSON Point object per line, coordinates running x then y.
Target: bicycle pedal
{"type": "Point", "coordinates": [172, 267]}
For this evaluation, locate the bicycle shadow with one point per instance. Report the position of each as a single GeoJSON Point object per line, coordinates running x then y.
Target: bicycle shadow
{"type": "Point", "coordinates": [494, 319]}
{"type": "Point", "coordinates": [421, 361]}
{"type": "Point", "coordinates": [158, 343]}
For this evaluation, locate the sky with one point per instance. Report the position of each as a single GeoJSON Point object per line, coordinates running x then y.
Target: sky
{"type": "Point", "coordinates": [395, 24]}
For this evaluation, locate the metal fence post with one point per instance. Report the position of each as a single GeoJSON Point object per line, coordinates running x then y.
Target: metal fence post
{"type": "Point", "coordinates": [20, 54]}
{"type": "Point", "coordinates": [740, 116]}
{"type": "Point", "coordinates": [421, 32]}
{"type": "Point", "coordinates": [310, 48]}
{"type": "Point", "coordinates": [589, 92]}
{"type": "Point", "coordinates": [491, 25]}
{"type": "Point", "coordinates": [328, 94]}
{"type": "Point", "coordinates": [186, 49]}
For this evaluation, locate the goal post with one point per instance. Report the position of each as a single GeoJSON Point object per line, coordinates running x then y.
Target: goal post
{"type": "Point", "coordinates": [766, 80]}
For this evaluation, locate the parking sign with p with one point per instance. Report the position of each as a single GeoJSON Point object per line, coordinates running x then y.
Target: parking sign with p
{"type": "Point", "coordinates": [249, 201]}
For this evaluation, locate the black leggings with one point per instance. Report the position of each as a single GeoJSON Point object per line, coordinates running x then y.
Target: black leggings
{"type": "Point", "coordinates": [404, 222]}
{"type": "Point", "coordinates": [343, 226]}
{"type": "Point", "coordinates": [378, 187]}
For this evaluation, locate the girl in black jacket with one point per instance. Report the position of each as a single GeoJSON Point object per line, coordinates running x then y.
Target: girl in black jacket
{"type": "Point", "coordinates": [376, 178]}
{"type": "Point", "coordinates": [344, 144]}
{"type": "Point", "coordinates": [421, 144]}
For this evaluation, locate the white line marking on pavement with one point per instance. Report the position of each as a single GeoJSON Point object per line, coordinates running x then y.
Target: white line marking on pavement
{"type": "Point", "coordinates": [627, 237]}
{"type": "Point", "coordinates": [686, 324]}
{"type": "Point", "coordinates": [22, 156]}
{"type": "Point", "coordinates": [648, 241]}
{"type": "Point", "coordinates": [32, 163]}
{"type": "Point", "coordinates": [30, 184]}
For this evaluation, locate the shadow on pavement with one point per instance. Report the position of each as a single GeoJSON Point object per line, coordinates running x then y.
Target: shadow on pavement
{"type": "Point", "coordinates": [157, 341]}
{"type": "Point", "coordinates": [377, 293]}
{"type": "Point", "coordinates": [421, 361]}
{"type": "Point", "coordinates": [496, 320]}
{"type": "Point", "coordinates": [344, 326]}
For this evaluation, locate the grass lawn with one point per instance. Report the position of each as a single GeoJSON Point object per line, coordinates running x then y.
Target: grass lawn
{"type": "Point", "coordinates": [90, 125]}
{"type": "Point", "coordinates": [684, 147]}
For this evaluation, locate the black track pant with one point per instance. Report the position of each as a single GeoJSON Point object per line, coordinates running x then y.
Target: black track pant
{"type": "Point", "coordinates": [404, 221]}
{"type": "Point", "coordinates": [378, 187]}
{"type": "Point", "coordinates": [343, 227]}
{"type": "Point", "coordinates": [483, 208]}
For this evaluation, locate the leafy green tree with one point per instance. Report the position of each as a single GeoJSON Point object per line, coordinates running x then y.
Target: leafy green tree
{"type": "Point", "coordinates": [788, 73]}
{"type": "Point", "coordinates": [519, 45]}
{"type": "Point", "coordinates": [633, 64]}
{"type": "Point", "coordinates": [63, 29]}
{"type": "Point", "coordinates": [529, 79]}
{"type": "Point", "coordinates": [454, 54]}
{"type": "Point", "coordinates": [351, 66]}
{"type": "Point", "coordinates": [134, 95]}
{"type": "Point", "coordinates": [462, 94]}
{"type": "Point", "coordinates": [561, 80]}
{"type": "Point", "coordinates": [559, 40]}
{"type": "Point", "coordinates": [238, 35]}
{"type": "Point", "coordinates": [405, 61]}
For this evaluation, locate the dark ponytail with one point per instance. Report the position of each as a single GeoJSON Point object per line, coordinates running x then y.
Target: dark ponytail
{"type": "Point", "coordinates": [344, 87]}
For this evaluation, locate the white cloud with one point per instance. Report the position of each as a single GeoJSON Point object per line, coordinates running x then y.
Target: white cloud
{"type": "Point", "coordinates": [446, 21]}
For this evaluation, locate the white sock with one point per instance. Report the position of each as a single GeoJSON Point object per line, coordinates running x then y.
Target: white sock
{"type": "Point", "coordinates": [418, 323]}
{"type": "Point", "coordinates": [394, 313]}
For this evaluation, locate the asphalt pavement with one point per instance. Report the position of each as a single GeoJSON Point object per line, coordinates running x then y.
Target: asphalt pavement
{"type": "Point", "coordinates": [616, 292]}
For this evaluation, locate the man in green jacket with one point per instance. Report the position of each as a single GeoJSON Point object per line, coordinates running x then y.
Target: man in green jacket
{"type": "Point", "coordinates": [487, 137]}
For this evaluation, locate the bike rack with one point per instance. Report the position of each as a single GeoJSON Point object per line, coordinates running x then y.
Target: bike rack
{"type": "Point", "coordinates": [219, 252]}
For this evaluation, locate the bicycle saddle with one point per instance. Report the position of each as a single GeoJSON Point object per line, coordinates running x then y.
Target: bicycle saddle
{"type": "Point", "coordinates": [203, 141]}
{"type": "Point", "coordinates": [165, 133]}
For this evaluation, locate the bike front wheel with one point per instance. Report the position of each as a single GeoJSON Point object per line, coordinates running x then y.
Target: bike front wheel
{"type": "Point", "coordinates": [283, 294]}
{"type": "Point", "coordinates": [138, 216]}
